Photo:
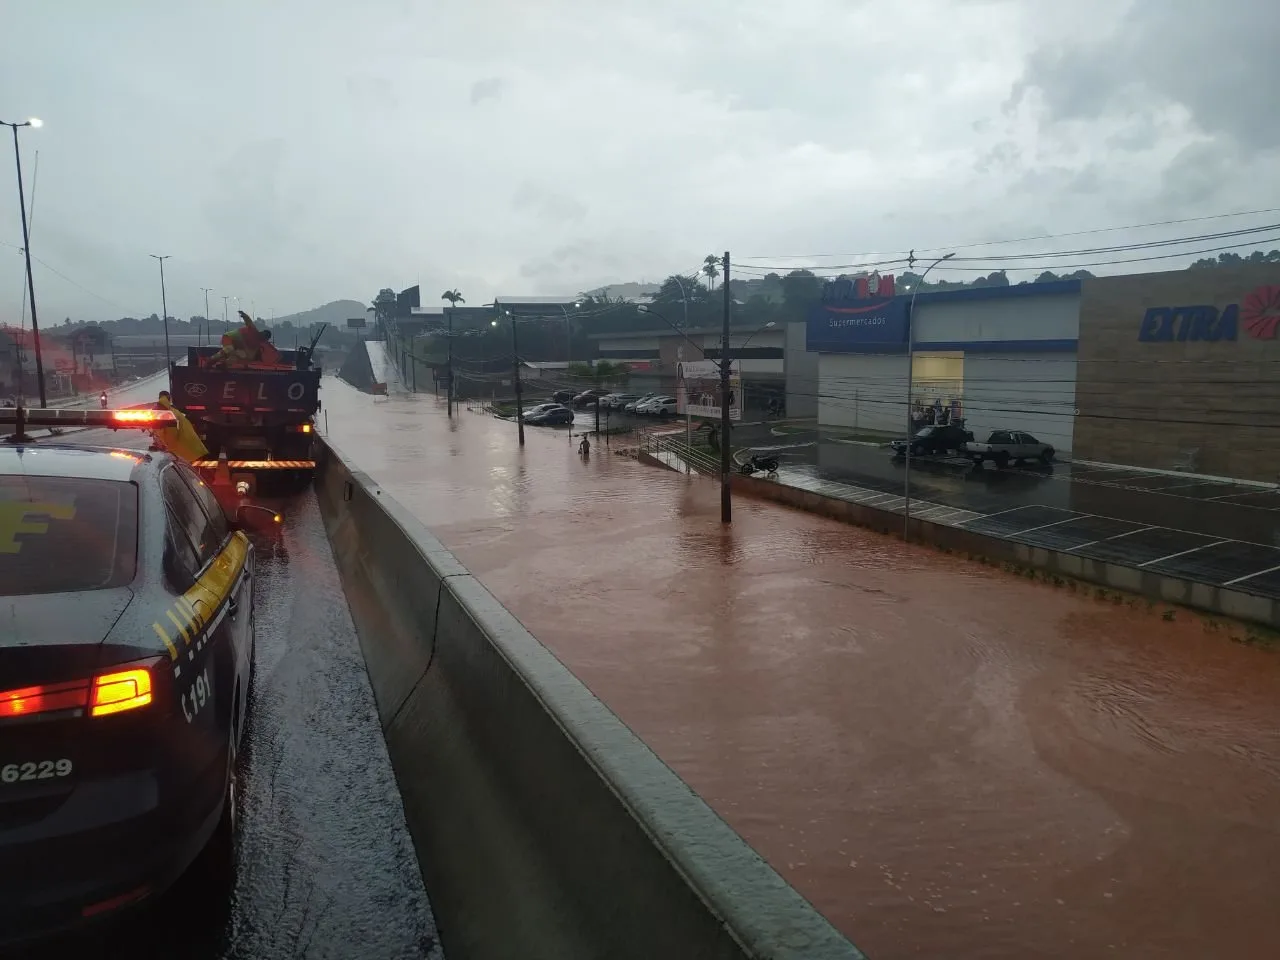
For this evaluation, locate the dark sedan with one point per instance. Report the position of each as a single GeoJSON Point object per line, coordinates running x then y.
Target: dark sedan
{"type": "Point", "coordinates": [934, 440]}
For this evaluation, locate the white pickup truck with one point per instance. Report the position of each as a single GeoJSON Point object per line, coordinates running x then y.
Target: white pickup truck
{"type": "Point", "coordinates": [1005, 446]}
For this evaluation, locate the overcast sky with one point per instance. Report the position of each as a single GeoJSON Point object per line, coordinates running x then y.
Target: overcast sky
{"type": "Point", "coordinates": [293, 152]}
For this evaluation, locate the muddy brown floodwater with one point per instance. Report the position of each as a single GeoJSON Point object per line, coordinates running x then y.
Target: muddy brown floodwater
{"type": "Point", "coordinates": [947, 761]}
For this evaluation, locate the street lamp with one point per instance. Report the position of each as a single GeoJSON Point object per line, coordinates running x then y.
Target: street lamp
{"type": "Point", "coordinates": [515, 366]}
{"type": "Point", "coordinates": [164, 306]}
{"type": "Point", "coordinates": [911, 346]}
{"type": "Point", "coordinates": [207, 291]}
{"type": "Point", "coordinates": [568, 335]}
{"type": "Point", "coordinates": [35, 123]}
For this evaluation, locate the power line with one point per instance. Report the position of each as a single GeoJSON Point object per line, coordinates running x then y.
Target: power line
{"type": "Point", "coordinates": [1043, 236]}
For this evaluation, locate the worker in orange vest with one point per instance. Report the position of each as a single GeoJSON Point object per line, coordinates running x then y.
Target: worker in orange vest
{"type": "Point", "coordinates": [245, 345]}
{"type": "Point", "coordinates": [181, 440]}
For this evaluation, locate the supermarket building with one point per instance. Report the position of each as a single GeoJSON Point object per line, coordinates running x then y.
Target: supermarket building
{"type": "Point", "coordinates": [1179, 369]}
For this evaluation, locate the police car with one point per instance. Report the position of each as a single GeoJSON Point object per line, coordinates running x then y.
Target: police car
{"type": "Point", "coordinates": [126, 658]}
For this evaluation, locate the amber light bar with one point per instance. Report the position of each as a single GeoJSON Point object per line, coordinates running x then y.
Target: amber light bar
{"type": "Point", "coordinates": [114, 419]}
{"type": "Point", "coordinates": [256, 464]}
{"type": "Point", "coordinates": [126, 688]}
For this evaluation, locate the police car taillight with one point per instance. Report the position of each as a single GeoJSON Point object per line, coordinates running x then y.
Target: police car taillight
{"type": "Point", "coordinates": [125, 687]}
{"type": "Point", "coordinates": [120, 690]}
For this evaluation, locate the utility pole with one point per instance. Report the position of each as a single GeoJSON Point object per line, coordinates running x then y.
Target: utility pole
{"type": "Point", "coordinates": [449, 385]}
{"type": "Point", "coordinates": [207, 291]}
{"type": "Point", "coordinates": [26, 252]}
{"type": "Point", "coordinates": [164, 306]}
{"type": "Point", "coordinates": [911, 371]}
{"type": "Point", "coordinates": [726, 458]}
{"type": "Point", "coordinates": [226, 323]}
{"type": "Point", "coordinates": [515, 362]}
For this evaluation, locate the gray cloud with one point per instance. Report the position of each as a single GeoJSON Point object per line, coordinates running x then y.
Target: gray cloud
{"type": "Point", "coordinates": [490, 88]}
{"type": "Point", "coordinates": [1218, 61]}
{"type": "Point", "coordinates": [547, 204]}
{"type": "Point", "coordinates": [507, 148]}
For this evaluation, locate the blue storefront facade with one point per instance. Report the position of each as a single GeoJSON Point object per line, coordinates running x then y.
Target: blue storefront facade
{"type": "Point", "coordinates": [1005, 357]}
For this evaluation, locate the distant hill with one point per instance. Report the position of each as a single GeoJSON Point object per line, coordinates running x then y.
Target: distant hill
{"type": "Point", "coordinates": [336, 314]}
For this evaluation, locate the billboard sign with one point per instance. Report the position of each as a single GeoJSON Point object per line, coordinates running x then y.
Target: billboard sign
{"type": "Point", "coordinates": [1258, 313]}
{"type": "Point", "coordinates": [698, 389]}
{"type": "Point", "coordinates": [357, 323]}
{"type": "Point", "coordinates": [874, 325]}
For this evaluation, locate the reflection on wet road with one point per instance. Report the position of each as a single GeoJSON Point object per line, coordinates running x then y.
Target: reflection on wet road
{"type": "Point", "coordinates": [948, 761]}
{"type": "Point", "coordinates": [327, 868]}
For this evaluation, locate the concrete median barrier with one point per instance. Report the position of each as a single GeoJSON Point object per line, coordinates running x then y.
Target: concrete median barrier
{"type": "Point", "coordinates": [545, 828]}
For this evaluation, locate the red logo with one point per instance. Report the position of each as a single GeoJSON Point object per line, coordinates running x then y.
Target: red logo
{"type": "Point", "coordinates": [1260, 313]}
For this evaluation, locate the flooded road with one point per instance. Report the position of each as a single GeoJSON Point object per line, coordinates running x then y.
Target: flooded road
{"type": "Point", "coordinates": [327, 870]}
{"type": "Point", "coordinates": [948, 761]}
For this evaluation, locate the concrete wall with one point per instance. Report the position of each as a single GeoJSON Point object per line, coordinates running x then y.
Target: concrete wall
{"type": "Point", "coordinates": [1031, 392]}
{"type": "Point", "coordinates": [1055, 317]}
{"type": "Point", "coordinates": [801, 370]}
{"type": "Point", "coordinates": [1146, 403]}
{"type": "Point", "coordinates": [356, 369]}
{"type": "Point", "coordinates": [863, 391]}
{"type": "Point", "coordinates": [1235, 604]}
{"type": "Point", "coordinates": [544, 827]}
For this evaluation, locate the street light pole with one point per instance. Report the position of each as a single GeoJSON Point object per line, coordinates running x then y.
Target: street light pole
{"type": "Point", "coordinates": [26, 250]}
{"type": "Point", "coordinates": [515, 362]}
{"type": "Point", "coordinates": [164, 305]}
{"type": "Point", "coordinates": [911, 365]}
{"type": "Point", "coordinates": [726, 459]}
{"type": "Point", "coordinates": [449, 395]}
{"type": "Point", "coordinates": [207, 291]}
{"type": "Point", "coordinates": [226, 322]}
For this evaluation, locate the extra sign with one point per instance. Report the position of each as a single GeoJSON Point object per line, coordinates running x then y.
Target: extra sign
{"type": "Point", "coordinates": [1258, 314]}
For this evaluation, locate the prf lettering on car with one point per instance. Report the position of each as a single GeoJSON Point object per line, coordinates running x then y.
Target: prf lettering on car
{"type": "Point", "coordinates": [14, 520]}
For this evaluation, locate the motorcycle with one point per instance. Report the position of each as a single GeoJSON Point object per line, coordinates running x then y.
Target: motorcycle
{"type": "Point", "coordinates": [764, 463]}
{"type": "Point", "coordinates": [103, 400]}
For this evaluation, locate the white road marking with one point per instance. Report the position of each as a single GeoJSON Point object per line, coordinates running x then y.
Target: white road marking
{"type": "Point", "coordinates": [1249, 576]}
{"type": "Point", "coordinates": [1183, 553]}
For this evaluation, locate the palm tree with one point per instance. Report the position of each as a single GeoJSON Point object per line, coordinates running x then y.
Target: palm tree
{"type": "Point", "coordinates": [710, 269]}
{"type": "Point", "coordinates": [454, 297]}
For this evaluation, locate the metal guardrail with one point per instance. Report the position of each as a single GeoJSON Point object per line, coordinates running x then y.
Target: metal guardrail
{"type": "Point", "coordinates": [692, 457]}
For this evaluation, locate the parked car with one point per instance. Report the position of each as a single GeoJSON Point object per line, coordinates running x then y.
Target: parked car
{"type": "Point", "coordinates": [563, 396]}
{"type": "Point", "coordinates": [934, 440]}
{"type": "Point", "coordinates": [1004, 446]}
{"type": "Point", "coordinates": [657, 407]}
{"type": "Point", "coordinates": [541, 409]}
{"type": "Point", "coordinates": [556, 416]}
{"type": "Point", "coordinates": [587, 397]}
{"type": "Point", "coordinates": [634, 404]}
{"type": "Point", "coordinates": [619, 401]}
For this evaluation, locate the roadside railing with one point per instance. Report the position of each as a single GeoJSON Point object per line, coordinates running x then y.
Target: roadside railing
{"type": "Point", "coordinates": [693, 457]}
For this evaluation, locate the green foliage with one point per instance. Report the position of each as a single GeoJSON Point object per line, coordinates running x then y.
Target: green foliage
{"type": "Point", "coordinates": [1236, 260]}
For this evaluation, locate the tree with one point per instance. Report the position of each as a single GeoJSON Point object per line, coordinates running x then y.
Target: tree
{"type": "Point", "coordinates": [454, 297]}
{"type": "Point", "coordinates": [710, 269]}
{"type": "Point", "coordinates": [1235, 260]}
{"type": "Point", "coordinates": [799, 289]}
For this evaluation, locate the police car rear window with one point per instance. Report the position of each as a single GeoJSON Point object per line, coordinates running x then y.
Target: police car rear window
{"type": "Point", "coordinates": [63, 534]}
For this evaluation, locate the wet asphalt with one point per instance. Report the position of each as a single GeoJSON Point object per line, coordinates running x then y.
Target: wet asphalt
{"type": "Point", "coordinates": [326, 867]}
{"type": "Point", "coordinates": [1215, 509]}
